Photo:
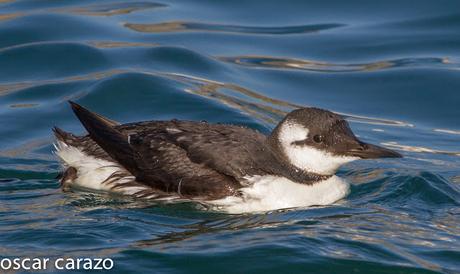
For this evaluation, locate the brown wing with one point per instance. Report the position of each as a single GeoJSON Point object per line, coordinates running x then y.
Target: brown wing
{"type": "Point", "coordinates": [164, 166]}
{"type": "Point", "coordinates": [195, 159]}
{"type": "Point", "coordinates": [232, 150]}
{"type": "Point", "coordinates": [167, 166]}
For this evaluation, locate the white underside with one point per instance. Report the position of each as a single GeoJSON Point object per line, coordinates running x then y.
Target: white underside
{"type": "Point", "coordinates": [271, 193]}
{"type": "Point", "coordinates": [264, 193]}
{"type": "Point", "coordinates": [92, 172]}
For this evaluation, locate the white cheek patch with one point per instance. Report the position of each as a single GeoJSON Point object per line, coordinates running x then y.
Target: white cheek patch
{"type": "Point", "coordinates": [314, 160]}
{"type": "Point", "coordinates": [306, 157]}
{"type": "Point", "coordinates": [292, 132]}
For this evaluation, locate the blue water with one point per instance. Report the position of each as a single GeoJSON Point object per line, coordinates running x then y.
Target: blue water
{"type": "Point", "coordinates": [392, 67]}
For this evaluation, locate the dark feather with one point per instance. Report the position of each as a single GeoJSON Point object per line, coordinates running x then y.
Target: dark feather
{"type": "Point", "coordinates": [193, 159]}
{"type": "Point", "coordinates": [105, 134]}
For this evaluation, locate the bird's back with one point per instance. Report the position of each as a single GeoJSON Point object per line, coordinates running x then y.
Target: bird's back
{"type": "Point", "coordinates": [189, 158]}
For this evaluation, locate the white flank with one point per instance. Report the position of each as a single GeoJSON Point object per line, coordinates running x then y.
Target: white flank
{"type": "Point", "coordinates": [272, 193]}
{"type": "Point", "coordinates": [306, 157]}
{"type": "Point", "coordinates": [91, 172]}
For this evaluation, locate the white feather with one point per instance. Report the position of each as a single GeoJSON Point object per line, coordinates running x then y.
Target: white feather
{"type": "Point", "coordinates": [272, 193]}
{"type": "Point", "coordinates": [91, 171]}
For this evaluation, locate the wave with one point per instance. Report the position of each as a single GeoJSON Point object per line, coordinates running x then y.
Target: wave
{"type": "Point", "coordinates": [179, 26]}
{"type": "Point", "coordinates": [266, 109]}
{"type": "Point", "coordinates": [425, 189]}
{"type": "Point", "coordinates": [419, 149]}
{"type": "Point", "coordinates": [449, 22]}
{"type": "Point", "coordinates": [319, 66]}
{"type": "Point", "coordinates": [50, 59]}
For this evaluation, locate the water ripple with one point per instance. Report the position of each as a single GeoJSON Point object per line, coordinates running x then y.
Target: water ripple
{"type": "Point", "coordinates": [119, 44]}
{"type": "Point", "coordinates": [219, 91]}
{"type": "Point", "coordinates": [318, 66]}
{"type": "Point", "coordinates": [248, 63]}
{"type": "Point", "coordinates": [44, 59]}
{"type": "Point", "coordinates": [264, 108]}
{"type": "Point", "coordinates": [9, 16]}
{"type": "Point", "coordinates": [419, 149]}
{"type": "Point", "coordinates": [111, 9]}
{"type": "Point", "coordinates": [444, 22]}
{"type": "Point", "coordinates": [178, 26]}
{"type": "Point", "coordinates": [407, 189]}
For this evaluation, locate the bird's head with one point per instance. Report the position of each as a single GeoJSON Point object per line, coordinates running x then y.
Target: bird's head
{"type": "Point", "coordinates": [319, 141]}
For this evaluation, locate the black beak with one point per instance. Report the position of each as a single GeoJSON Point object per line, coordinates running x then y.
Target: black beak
{"type": "Point", "coordinates": [368, 151]}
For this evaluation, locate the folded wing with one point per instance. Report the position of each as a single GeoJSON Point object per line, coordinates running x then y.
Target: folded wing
{"type": "Point", "coordinates": [192, 159]}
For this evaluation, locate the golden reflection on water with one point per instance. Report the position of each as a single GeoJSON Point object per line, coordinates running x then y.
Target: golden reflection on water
{"type": "Point", "coordinates": [319, 66]}
{"type": "Point", "coordinates": [115, 44]}
{"type": "Point", "coordinates": [181, 26]}
{"type": "Point", "coordinates": [24, 150]}
{"type": "Point", "coordinates": [9, 16]}
{"type": "Point", "coordinates": [13, 87]}
{"type": "Point", "coordinates": [160, 27]}
{"type": "Point", "coordinates": [266, 109]}
{"type": "Point", "coordinates": [24, 105]}
{"type": "Point", "coordinates": [289, 63]}
{"type": "Point", "coordinates": [8, 88]}
{"type": "Point", "coordinates": [279, 108]}
{"type": "Point", "coordinates": [111, 8]}
{"type": "Point", "coordinates": [419, 149]}
{"type": "Point", "coordinates": [214, 90]}
{"type": "Point", "coordinates": [92, 43]}
{"type": "Point", "coordinates": [263, 107]}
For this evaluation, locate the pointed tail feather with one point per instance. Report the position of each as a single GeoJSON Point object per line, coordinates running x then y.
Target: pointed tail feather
{"type": "Point", "coordinates": [104, 133]}
{"type": "Point", "coordinates": [63, 136]}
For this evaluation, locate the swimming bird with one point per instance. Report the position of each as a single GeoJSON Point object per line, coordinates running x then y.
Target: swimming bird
{"type": "Point", "coordinates": [231, 167]}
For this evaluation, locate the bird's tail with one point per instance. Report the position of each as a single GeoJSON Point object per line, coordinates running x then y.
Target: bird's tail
{"type": "Point", "coordinates": [104, 132]}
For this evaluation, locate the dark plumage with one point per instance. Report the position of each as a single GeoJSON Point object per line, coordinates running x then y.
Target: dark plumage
{"type": "Point", "coordinates": [163, 154]}
{"type": "Point", "coordinates": [191, 158]}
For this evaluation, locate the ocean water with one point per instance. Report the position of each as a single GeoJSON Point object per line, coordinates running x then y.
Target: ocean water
{"type": "Point", "coordinates": [392, 67]}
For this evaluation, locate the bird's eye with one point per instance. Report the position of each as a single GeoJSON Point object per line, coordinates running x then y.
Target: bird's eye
{"type": "Point", "coordinates": [318, 138]}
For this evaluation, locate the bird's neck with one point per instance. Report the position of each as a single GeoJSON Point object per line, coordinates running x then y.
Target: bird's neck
{"type": "Point", "coordinates": [286, 169]}
{"type": "Point", "coordinates": [302, 176]}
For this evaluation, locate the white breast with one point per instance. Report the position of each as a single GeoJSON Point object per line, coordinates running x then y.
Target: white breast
{"type": "Point", "coordinates": [272, 192]}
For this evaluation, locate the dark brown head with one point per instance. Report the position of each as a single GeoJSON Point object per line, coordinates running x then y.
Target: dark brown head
{"type": "Point", "coordinates": [320, 141]}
